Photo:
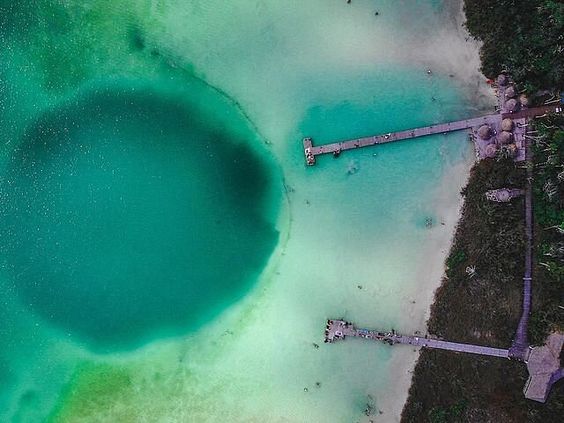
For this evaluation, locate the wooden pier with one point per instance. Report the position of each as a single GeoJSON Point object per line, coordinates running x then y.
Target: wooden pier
{"type": "Point", "coordinates": [543, 363]}
{"type": "Point", "coordinates": [339, 329]}
{"type": "Point", "coordinates": [492, 120]}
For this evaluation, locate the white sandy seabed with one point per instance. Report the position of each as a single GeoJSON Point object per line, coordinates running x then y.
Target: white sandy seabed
{"type": "Point", "coordinates": [353, 237]}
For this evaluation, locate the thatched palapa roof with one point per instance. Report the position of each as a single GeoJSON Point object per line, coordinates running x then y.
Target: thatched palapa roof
{"type": "Point", "coordinates": [490, 150]}
{"type": "Point", "coordinates": [505, 137]}
{"type": "Point", "coordinates": [503, 196]}
{"type": "Point", "coordinates": [507, 124]}
{"type": "Point", "coordinates": [510, 92]}
{"type": "Point", "coordinates": [502, 80]}
{"type": "Point", "coordinates": [512, 105]}
{"type": "Point", "coordinates": [485, 132]}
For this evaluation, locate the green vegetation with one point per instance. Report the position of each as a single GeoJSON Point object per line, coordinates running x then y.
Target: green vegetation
{"type": "Point", "coordinates": [454, 413]}
{"type": "Point", "coordinates": [548, 188]}
{"type": "Point", "coordinates": [454, 260]}
{"type": "Point", "coordinates": [525, 37]}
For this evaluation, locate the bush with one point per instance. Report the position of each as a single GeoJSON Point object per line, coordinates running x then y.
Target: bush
{"type": "Point", "coordinates": [455, 258]}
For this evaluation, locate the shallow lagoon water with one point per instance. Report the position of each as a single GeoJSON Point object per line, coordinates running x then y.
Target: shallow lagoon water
{"type": "Point", "coordinates": [285, 69]}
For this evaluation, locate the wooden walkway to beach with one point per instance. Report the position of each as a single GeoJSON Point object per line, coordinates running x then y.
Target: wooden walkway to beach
{"type": "Point", "coordinates": [520, 345]}
{"type": "Point", "coordinates": [340, 329]}
{"type": "Point", "coordinates": [311, 151]}
{"type": "Point", "coordinates": [535, 111]}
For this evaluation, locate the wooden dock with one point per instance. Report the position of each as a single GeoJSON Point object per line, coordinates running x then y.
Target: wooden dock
{"type": "Point", "coordinates": [493, 120]}
{"type": "Point", "coordinates": [339, 329]}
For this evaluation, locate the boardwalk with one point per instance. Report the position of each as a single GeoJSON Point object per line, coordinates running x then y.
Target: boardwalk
{"type": "Point", "coordinates": [520, 346]}
{"type": "Point", "coordinates": [534, 112]}
{"type": "Point", "coordinates": [442, 128]}
{"type": "Point", "coordinates": [339, 329]}
{"type": "Point", "coordinates": [311, 151]}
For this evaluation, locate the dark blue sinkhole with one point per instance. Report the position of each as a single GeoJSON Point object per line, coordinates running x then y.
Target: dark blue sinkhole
{"type": "Point", "coordinates": [128, 215]}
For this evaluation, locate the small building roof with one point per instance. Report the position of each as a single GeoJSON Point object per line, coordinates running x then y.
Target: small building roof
{"type": "Point", "coordinates": [499, 195]}
{"type": "Point", "coordinates": [485, 132]}
{"type": "Point", "coordinates": [490, 150]}
{"type": "Point", "coordinates": [507, 124]}
{"type": "Point", "coordinates": [503, 195]}
{"type": "Point", "coordinates": [524, 100]}
{"type": "Point", "coordinates": [510, 92]}
{"type": "Point", "coordinates": [505, 137]}
{"type": "Point", "coordinates": [511, 105]}
{"type": "Point", "coordinates": [544, 368]}
{"type": "Point", "coordinates": [502, 79]}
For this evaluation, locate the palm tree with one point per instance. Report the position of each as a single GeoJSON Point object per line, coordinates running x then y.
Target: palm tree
{"type": "Point", "coordinates": [559, 228]}
{"type": "Point", "coordinates": [555, 250]}
{"type": "Point", "coordinates": [550, 189]}
{"type": "Point", "coordinates": [504, 153]}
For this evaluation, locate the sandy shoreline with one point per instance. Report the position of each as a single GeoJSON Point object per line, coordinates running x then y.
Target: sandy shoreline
{"type": "Point", "coordinates": [404, 359]}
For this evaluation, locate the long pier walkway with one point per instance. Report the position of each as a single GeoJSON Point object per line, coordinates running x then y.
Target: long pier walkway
{"type": "Point", "coordinates": [520, 345]}
{"type": "Point", "coordinates": [493, 120]}
{"type": "Point", "coordinates": [339, 329]}
{"type": "Point", "coordinates": [441, 128]}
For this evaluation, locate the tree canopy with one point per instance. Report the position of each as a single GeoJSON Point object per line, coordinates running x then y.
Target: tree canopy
{"type": "Point", "coordinates": [525, 37]}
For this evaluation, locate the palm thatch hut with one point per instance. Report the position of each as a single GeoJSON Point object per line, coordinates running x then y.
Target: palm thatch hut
{"type": "Point", "coordinates": [490, 150]}
{"type": "Point", "coordinates": [502, 80]}
{"type": "Point", "coordinates": [510, 92]}
{"type": "Point", "coordinates": [507, 124]}
{"type": "Point", "coordinates": [505, 137]}
{"type": "Point", "coordinates": [485, 132]}
{"type": "Point", "coordinates": [511, 105]}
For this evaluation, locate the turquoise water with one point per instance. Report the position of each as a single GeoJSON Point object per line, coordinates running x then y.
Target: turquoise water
{"type": "Point", "coordinates": [167, 256]}
{"type": "Point", "coordinates": [126, 211]}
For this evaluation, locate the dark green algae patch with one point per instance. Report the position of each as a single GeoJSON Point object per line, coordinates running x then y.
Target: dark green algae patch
{"type": "Point", "coordinates": [128, 214]}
